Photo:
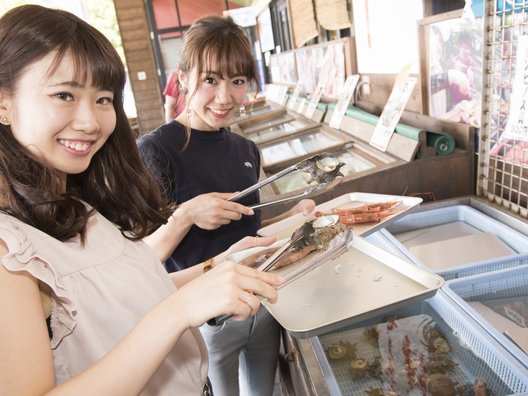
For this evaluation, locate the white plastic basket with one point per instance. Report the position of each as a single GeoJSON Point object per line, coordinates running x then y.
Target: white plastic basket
{"type": "Point", "coordinates": [478, 354]}
{"type": "Point", "coordinates": [474, 218]}
{"type": "Point", "coordinates": [504, 283]}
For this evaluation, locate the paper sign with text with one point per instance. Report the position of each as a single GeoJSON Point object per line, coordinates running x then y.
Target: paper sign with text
{"type": "Point", "coordinates": [390, 116]}
{"type": "Point", "coordinates": [343, 101]}
{"type": "Point", "coordinates": [295, 97]}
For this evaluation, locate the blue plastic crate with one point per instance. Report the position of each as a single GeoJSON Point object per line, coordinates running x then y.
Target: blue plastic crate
{"type": "Point", "coordinates": [477, 354]}
{"type": "Point", "coordinates": [506, 283]}
{"type": "Point", "coordinates": [517, 241]}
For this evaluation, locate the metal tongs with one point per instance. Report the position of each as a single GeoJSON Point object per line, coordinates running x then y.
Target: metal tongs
{"type": "Point", "coordinates": [323, 169]}
{"type": "Point", "coordinates": [302, 236]}
{"type": "Point", "coordinates": [337, 246]}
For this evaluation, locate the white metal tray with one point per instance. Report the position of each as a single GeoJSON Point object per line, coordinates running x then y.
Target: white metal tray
{"type": "Point", "coordinates": [285, 227]}
{"type": "Point", "coordinates": [363, 282]}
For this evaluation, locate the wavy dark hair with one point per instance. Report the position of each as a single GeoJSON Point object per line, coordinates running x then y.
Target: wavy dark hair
{"type": "Point", "coordinates": [116, 183]}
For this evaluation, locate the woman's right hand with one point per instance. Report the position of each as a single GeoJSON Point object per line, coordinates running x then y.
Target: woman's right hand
{"type": "Point", "coordinates": [212, 210]}
{"type": "Point", "coordinates": [228, 288]}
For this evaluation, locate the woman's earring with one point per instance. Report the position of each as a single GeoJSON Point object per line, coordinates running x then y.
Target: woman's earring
{"type": "Point", "coordinates": [4, 120]}
{"type": "Point", "coordinates": [242, 110]}
{"type": "Point", "coordinates": [184, 90]}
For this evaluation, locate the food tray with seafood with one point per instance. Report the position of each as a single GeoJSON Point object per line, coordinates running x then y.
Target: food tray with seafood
{"type": "Point", "coordinates": [498, 300]}
{"type": "Point", "coordinates": [346, 289]}
{"type": "Point", "coordinates": [363, 213]}
{"type": "Point", "coordinates": [427, 348]}
{"type": "Point", "coordinates": [455, 241]}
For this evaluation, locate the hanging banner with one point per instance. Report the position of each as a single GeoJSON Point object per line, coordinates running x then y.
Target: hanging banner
{"type": "Point", "coordinates": [332, 14]}
{"type": "Point", "coordinates": [303, 22]}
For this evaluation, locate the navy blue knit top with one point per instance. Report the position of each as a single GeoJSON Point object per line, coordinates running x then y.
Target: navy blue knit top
{"type": "Point", "coordinates": [220, 161]}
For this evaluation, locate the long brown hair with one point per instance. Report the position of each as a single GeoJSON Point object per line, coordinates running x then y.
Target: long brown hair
{"type": "Point", "coordinates": [217, 44]}
{"type": "Point", "coordinates": [116, 183]}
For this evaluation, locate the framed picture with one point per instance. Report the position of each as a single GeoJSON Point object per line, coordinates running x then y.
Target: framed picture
{"type": "Point", "coordinates": [283, 68]}
{"type": "Point", "coordinates": [451, 66]}
{"type": "Point", "coordinates": [322, 61]}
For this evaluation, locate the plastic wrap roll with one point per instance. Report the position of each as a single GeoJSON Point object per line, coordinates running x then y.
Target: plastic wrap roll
{"type": "Point", "coordinates": [443, 144]}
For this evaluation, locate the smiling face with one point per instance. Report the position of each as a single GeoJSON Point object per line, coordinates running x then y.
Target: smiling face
{"type": "Point", "coordinates": [214, 98]}
{"type": "Point", "coordinates": [61, 119]}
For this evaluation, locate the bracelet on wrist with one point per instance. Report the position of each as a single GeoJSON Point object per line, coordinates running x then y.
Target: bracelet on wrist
{"type": "Point", "coordinates": [207, 265]}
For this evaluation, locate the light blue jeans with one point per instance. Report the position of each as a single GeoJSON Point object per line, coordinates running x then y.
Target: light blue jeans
{"type": "Point", "coordinates": [243, 355]}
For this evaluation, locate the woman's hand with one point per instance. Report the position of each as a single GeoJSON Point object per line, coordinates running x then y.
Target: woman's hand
{"type": "Point", "coordinates": [305, 206]}
{"type": "Point", "coordinates": [212, 210]}
{"type": "Point", "coordinates": [245, 243]}
{"type": "Point", "coordinates": [230, 289]}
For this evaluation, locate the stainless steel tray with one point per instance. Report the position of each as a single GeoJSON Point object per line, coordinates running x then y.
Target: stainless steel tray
{"type": "Point", "coordinates": [363, 282]}
{"type": "Point", "coordinates": [285, 227]}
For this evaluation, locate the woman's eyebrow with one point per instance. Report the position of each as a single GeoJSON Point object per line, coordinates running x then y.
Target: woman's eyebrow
{"type": "Point", "coordinates": [73, 84]}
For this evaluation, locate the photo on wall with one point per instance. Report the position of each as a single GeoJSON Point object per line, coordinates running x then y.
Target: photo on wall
{"type": "Point", "coordinates": [451, 67]}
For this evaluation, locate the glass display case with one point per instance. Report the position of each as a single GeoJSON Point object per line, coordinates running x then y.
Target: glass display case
{"type": "Point", "coordinates": [289, 128]}
{"type": "Point", "coordinates": [279, 154]}
{"type": "Point", "coordinates": [255, 113]}
{"type": "Point", "coordinates": [354, 162]}
{"type": "Point", "coordinates": [251, 126]}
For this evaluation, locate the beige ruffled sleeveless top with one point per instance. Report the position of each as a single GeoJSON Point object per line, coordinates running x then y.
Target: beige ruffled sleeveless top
{"type": "Point", "coordinates": [100, 291]}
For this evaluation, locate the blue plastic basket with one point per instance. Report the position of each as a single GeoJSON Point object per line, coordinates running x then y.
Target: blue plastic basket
{"type": "Point", "coordinates": [509, 282]}
{"type": "Point", "coordinates": [459, 213]}
{"type": "Point", "coordinates": [478, 354]}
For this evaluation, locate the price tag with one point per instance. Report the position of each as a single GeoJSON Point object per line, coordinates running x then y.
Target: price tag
{"type": "Point", "coordinates": [295, 96]}
{"type": "Point", "coordinates": [314, 101]}
{"type": "Point", "coordinates": [302, 104]}
{"type": "Point", "coordinates": [401, 92]}
{"type": "Point", "coordinates": [343, 101]}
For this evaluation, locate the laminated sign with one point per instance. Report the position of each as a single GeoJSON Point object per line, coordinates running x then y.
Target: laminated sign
{"type": "Point", "coordinates": [401, 92]}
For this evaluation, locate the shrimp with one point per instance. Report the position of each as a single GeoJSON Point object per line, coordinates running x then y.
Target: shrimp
{"type": "Point", "coordinates": [367, 213]}
{"type": "Point", "coordinates": [364, 217]}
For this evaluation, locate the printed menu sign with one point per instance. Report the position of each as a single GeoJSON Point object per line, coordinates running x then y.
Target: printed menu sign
{"type": "Point", "coordinates": [295, 97]}
{"type": "Point", "coordinates": [401, 92]}
{"type": "Point", "coordinates": [343, 101]}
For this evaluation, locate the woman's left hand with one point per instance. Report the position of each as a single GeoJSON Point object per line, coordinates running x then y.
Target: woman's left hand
{"type": "Point", "coordinates": [305, 206]}
{"type": "Point", "coordinates": [245, 243]}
